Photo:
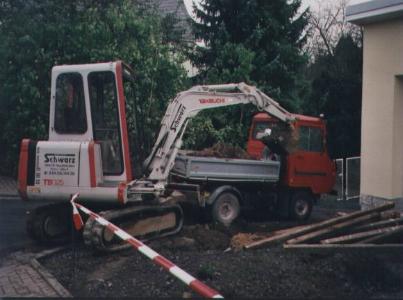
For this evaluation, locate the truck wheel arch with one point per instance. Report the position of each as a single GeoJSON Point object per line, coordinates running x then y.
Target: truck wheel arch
{"type": "Point", "coordinates": [224, 205]}
{"type": "Point", "coordinates": [226, 189]}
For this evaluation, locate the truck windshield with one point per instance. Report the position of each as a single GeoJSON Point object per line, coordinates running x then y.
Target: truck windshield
{"type": "Point", "coordinates": [261, 127]}
{"type": "Point", "coordinates": [282, 138]}
{"type": "Point", "coordinates": [310, 139]}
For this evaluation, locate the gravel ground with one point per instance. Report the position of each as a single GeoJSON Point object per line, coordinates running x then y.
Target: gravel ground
{"type": "Point", "coordinates": [200, 250]}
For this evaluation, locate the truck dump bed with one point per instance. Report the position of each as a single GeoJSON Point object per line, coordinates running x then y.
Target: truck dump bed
{"type": "Point", "coordinates": [226, 169]}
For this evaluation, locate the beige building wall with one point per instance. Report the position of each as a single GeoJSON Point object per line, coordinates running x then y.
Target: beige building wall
{"type": "Point", "coordinates": [382, 111]}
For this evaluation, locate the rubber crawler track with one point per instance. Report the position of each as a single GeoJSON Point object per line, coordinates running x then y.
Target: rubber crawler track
{"type": "Point", "coordinates": [93, 232]}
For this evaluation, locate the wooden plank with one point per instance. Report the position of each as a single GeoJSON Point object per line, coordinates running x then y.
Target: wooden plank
{"type": "Point", "coordinates": [390, 214]}
{"type": "Point", "coordinates": [378, 225]}
{"type": "Point", "coordinates": [337, 228]}
{"type": "Point", "coordinates": [352, 238]}
{"type": "Point", "coordinates": [310, 228]}
{"type": "Point", "coordinates": [287, 230]}
{"type": "Point", "coordinates": [392, 234]}
{"type": "Point", "coordinates": [344, 246]}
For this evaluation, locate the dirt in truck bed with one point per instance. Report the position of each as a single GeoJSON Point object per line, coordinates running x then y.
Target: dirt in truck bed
{"type": "Point", "coordinates": [203, 251]}
{"type": "Point", "coordinates": [222, 150]}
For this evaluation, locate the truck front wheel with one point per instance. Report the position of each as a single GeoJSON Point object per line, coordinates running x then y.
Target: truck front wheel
{"type": "Point", "coordinates": [226, 208]}
{"type": "Point", "coordinates": [301, 205]}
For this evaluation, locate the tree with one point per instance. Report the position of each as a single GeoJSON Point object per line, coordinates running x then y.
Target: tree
{"type": "Point", "coordinates": [255, 41]}
{"type": "Point", "coordinates": [336, 92]}
{"type": "Point", "coordinates": [38, 34]}
{"type": "Point", "coordinates": [327, 24]}
{"type": "Point", "coordinates": [258, 41]}
{"type": "Point", "coordinates": [335, 76]}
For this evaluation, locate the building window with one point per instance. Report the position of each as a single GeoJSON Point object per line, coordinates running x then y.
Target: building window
{"type": "Point", "coordinates": [310, 139]}
{"type": "Point", "coordinates": [70, 116]}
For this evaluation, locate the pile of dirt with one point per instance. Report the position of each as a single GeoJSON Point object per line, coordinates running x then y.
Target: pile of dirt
{"type": "Point", "coordinates": [222, 150]}
{"type": "Point", "coordinates": [241, 239]}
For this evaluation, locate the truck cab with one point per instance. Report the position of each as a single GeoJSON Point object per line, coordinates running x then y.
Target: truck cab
{"type": "Point", "coordinates": [307, 164]}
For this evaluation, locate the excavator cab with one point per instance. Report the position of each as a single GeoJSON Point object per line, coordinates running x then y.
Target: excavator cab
{"type": "Point", "coordinates": [88, 146]}
{"type": "Point", "coordinates": [88, 152]}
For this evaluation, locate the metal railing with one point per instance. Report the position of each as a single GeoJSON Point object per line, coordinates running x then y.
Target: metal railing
{"type": "Point", "coordinates": [339, 186]}
{"type": "Point", "coordinates": [348, 178]}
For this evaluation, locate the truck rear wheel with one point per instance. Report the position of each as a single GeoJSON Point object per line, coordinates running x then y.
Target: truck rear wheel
{"type": "Point", "coordinates": [226, 208]}
{"type": "Point", "coordinates": [301, 205]}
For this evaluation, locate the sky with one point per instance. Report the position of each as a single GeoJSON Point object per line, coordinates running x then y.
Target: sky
{"type": "Point", "coordinates": [305, 3]}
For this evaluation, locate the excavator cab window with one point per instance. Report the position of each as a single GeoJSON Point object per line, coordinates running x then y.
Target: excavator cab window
{"type": "Point", "coordinates": [105, 120]}
{"type": "Point", "coordinates": [70, 116]}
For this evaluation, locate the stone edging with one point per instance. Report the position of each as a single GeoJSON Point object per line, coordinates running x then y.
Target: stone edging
{"type": "Point", "coordinates": [7, 195]}
{"type": "Point", "coordinates": [49, 278]}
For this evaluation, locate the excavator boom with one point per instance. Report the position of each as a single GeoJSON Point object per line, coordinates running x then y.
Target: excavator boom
{"type": "Point", "coordinates": [187, 105]}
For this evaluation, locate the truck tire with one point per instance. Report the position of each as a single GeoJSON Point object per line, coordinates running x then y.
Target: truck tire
{"type": "Point", "coordinates": [300, 205]}
{"type": "Point", "coordinates": [226, 208]}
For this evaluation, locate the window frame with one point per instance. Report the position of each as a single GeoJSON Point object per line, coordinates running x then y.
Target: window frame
{"type": "Point", "coordinates": [256, 124]}
{"type": "Point", "coordinates": [310, 127]}
{"type": "Point", "coordinates": [56, 104]}
{"type": "Point", "coordinates": [122, 166]}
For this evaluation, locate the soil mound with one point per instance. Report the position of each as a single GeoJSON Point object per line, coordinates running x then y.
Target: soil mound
{"type": "Point", "coordinates": [222, 150]}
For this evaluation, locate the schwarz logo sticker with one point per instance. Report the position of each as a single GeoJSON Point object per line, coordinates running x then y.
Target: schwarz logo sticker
{"type": "Point", "coordinates": [60, 158]}
{"type": "Point", "coordinates": [211, 100]}
{"type": "Point", "coordinates": [178, 117]}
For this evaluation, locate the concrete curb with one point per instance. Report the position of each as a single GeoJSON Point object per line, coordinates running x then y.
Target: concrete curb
{"type": "Point", "coordinates": [9, 195]}
{"type": "Point", "coordinates": [8, 186]}
{"type": "Point", "coordinates": [49, 278]}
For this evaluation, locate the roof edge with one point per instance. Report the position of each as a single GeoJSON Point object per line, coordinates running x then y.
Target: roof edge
{"type": "Point", "coordinates": [374, 11]}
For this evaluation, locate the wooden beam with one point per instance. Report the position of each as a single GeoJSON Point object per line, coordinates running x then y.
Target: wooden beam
{"type": "Point", "coordinates": [387, 236]}
{"type": "Point", "coordinates": [337, 228]}
{"type": "Point", "coordinates": [352, 238]}
{"type": "Point", "coordinates": [343, 246]}
{"type": "Point", "coordinates": [390, 214]}
{"type": "Point", "coordinates": [310, 228]}
{"type": "Point", "coordinates": [378, 225]}
{"type": "Point", "coordinates": [287, 230]}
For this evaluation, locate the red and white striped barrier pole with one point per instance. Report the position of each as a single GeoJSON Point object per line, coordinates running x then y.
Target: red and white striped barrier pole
{"type": "Point", "coordinates": [195, 284]}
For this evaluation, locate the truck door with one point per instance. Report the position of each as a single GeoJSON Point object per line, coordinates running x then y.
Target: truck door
{"type": "Point", "coordinates": [309, 165]}
{"type": "Point", "coordinates": [255, 147]}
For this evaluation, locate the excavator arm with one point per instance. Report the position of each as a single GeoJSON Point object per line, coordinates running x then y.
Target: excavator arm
{"type": "Point", "coordinates": [188, 104]}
